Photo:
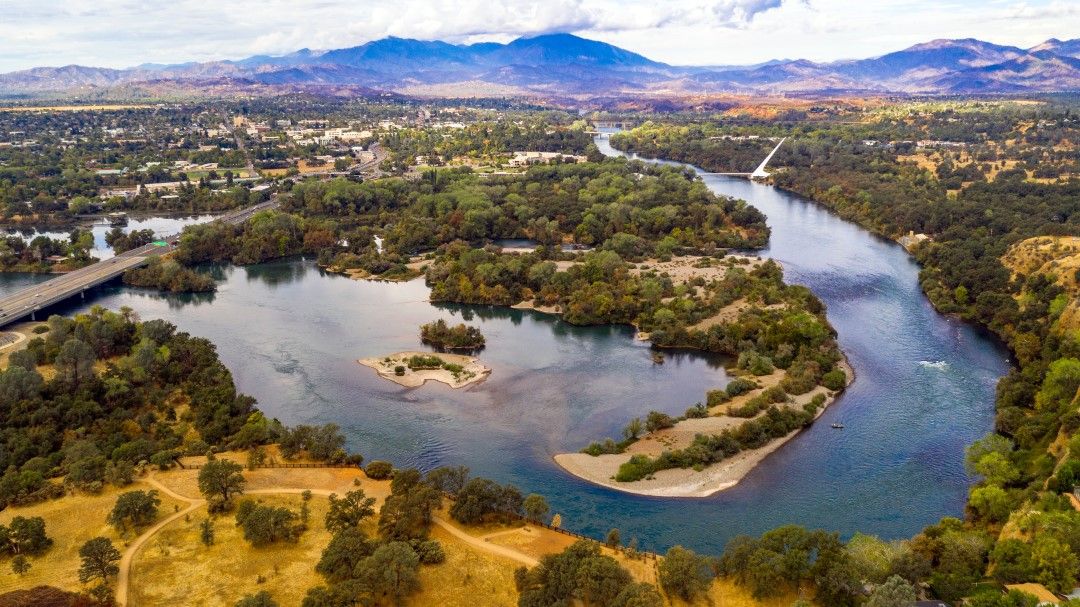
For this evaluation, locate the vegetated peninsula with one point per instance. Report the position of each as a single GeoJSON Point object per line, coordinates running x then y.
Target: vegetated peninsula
{"type": "Point", "coordinates": [414, 369]}
{"type": "Point", "coordinates": [787, 369]}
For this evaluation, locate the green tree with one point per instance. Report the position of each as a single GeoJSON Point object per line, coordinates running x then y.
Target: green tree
{"type": "Point", "coordinates": [600, 579]}
{"type": "Point", "coordinates": [895, 592]}
{"type": "Point", "coordinates": [392, 571]}
{"type": "Point", "coordinates": [633, 429]}
{"type": "Point", "coordinates": [1054, 563]}
{"type": "Point", "coordinates": [684, 573]}
{"type": "Point", "coordinates": [26, 535]}
{"type": "Point", "coordinates": [348, 511]}
{"type": "Point", "coordinates": [221, 479]}
{"type": "Point", "coordinates": [990, 503]}
{"type": "Point", "coordinates": [613, 540]}
{"type": "Point", "coordinates": [268, 524]}
{"type": "Point", "coordinates": [20, 565]}
{"type": "Point", "coordinates": [75, 361]}
{"type": "Point", "coordinates": [99, 560]}
{"type": "Point", "coordinates": [536, 507]}
{"type": "Point", "coordinates": [135, 507]}
{"type": "Point", "coordinates": [344, 552]}
{"type": "Point", "coordinates": [206, 532]}
{"type": "Point", "coordinates": [638, 595]}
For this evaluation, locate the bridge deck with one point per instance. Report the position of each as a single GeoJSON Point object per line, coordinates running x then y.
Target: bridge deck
{"type": "Point", "coordinates": [26, 302]}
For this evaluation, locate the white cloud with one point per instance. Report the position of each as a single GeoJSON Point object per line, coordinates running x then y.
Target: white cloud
{"type": "Point", "coordinates": [119, 33]}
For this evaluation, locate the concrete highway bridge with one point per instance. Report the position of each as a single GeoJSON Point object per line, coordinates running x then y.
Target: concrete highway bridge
{"type": "Point", "coordinates": [27, 302]}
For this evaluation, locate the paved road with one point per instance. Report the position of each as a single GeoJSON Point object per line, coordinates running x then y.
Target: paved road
{"type": "Point", "coordinates": [31, 299]}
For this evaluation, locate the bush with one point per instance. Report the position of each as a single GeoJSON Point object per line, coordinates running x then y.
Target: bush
{"type": "Point", "coordinates": [422, 362]}
{"type": "Point", "coordinates": [756, 363]}
{"type": "Point", "coordinates": [697, 411]}
{"type": "Point", "coordinates": [399, 370]}
{"type": "Point", "coordinates": [430, 552]}
{"type": "Point", "coordinates": [598, 448]}
{"type": "Point", "coordinates": [740, 386]}
{"type": "Point", "coordinates": [834, 380]}
{"type": "Point", "coordinates": [379, 470]}
{"type": "Point", "coordinates": [637, 468]}
{"type": "Point", "coordinates": [658, 421]}
{"type": "Point", "coordinates": [716, 397]}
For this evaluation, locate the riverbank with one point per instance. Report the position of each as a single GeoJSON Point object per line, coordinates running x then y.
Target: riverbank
{"type": "Point", "coordinates": [689, 482]}
{"type": "Point", "coordinates": [457, 370]}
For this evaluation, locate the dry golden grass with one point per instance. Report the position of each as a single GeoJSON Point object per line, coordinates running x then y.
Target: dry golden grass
{"type": "Point", "coordinates": [338, 480]}
{"type": "Point", "coordinates": [175, 568]}
{"type": "Point", "coordinates": [71, 521]}
{"type": "Point", "coordinates": [1058, 256]}
{"type": "Point", "coordinates": [726, 593]}
{"type": "Point", "coordinates": [468, 578]}
{"type": "Point", "coordinates": [531, 540]}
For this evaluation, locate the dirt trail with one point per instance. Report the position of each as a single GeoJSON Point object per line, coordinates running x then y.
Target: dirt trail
{"type": "Point", "coordinates": [124, 576]}
{"type": "Point", "coordinates": [123, 579]}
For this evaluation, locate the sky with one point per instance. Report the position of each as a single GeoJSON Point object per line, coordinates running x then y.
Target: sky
{"type": "Point", "coordinates": [123, 33]}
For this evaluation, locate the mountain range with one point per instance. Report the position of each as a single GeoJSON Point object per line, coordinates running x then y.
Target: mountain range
{"type": "Point", "coordinates": [568, 65]}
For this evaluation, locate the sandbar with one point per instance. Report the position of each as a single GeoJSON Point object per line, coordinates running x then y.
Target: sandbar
{"type": "Point", "coordinates": [687, 482]}
{"type": "Point", "coordinates": [473, 371]}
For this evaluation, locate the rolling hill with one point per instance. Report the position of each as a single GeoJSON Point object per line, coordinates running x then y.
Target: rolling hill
{"type": "Point", "coordinates": [565, 64]}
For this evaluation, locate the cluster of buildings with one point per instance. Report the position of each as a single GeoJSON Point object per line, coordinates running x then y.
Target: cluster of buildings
{"type": "Point", "coordinates": [524, 159]}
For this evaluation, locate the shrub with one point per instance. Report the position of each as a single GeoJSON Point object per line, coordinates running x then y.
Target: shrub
{"type": "Point", "coordinates": [597, 448]}
{"type": "Point", "coordinates": [637, 468]}
{"type": "Point", "coordinates": [658, 421]}
{"type": "Point", "coordinates": [430, 552]}
{"type": "Point", "coordinates": [399, 370]}
{"type": "Point", "coordinates": [697, 411]}
{"type": "Point", "coordinates": [379, 470]}
{"type": "Point", "coordinates": [834, 380]}
{"type": "Point", "coordinates": [716, 397]}
{"type": "Point", "coordinates": [755, 363]}
{"type": "Point", "coordinates": [740, 386]}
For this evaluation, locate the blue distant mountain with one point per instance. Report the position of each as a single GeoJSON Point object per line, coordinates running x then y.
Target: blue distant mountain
{"type": "Point", "coordinates": [565, 64]}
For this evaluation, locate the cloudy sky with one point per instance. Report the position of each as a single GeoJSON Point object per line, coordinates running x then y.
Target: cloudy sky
{"type": "Point", "coordinates": [122, 33]}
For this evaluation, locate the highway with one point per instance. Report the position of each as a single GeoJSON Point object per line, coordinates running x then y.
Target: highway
{"type": "Point", "coordinates": [28, 301]}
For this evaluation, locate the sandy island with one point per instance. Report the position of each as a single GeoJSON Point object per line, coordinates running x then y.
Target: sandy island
{"type": "Point", "coordinates": [687, 482]}
{"type": "Point", "coordinates": [473, 371]}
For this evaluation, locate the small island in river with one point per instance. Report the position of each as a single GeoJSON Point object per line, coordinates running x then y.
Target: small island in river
{"type": "Point", "coordinates": [414, 369]}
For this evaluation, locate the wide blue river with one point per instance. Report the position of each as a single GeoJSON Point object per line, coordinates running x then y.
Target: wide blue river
{"type": "Point", "coordinates": [924, 387]}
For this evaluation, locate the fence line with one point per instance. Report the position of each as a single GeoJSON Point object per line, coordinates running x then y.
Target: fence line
{"type": "Point", "coordinates": [184, 466]}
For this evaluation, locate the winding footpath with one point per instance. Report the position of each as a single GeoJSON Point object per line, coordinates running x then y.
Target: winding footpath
{"type": "Point", "coordinates": [123, 578]}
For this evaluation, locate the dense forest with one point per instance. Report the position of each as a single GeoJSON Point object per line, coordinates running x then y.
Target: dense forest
{"type": "Point", "coordinates": [95, 396]}
{"type": "Point", "coordinates": [628, 207]}
{"type": "Point", "coordinates": [975, 182]}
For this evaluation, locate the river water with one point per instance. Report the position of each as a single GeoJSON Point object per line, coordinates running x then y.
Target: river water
{"type": "Point", "coordinates": [291, 333]}
{"type": "Point", "coordinates": [161, 225]}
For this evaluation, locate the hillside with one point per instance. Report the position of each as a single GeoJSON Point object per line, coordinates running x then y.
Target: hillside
{"type": "Point", "coordinates": [1057, 257]}
{"type": "Point", "coordinates": [565, 64]}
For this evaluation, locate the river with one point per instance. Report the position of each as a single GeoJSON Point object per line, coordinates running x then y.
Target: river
{"type": "Point", "coordinates": [924, 389]}
{"type": "Point", "coordinates": [162, 226]}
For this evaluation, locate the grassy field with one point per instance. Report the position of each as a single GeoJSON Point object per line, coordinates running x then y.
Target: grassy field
{"type": "Point", "coordinates": [70, 522]}
{"type": "Point", "coordinates": [175, 568]}
{"type": "Point", "coordinates": [468, 578]}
